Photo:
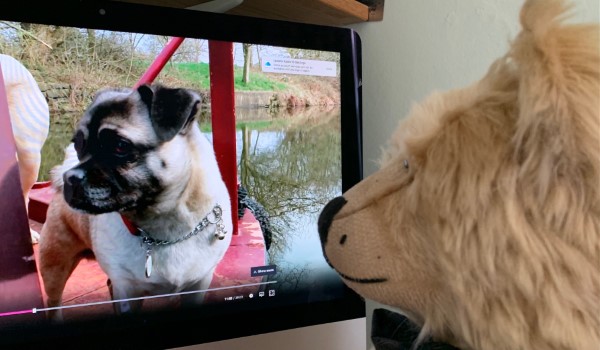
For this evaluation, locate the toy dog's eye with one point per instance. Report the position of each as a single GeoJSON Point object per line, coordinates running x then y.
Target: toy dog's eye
{"type": "Point", "coordinates": [405, 164]}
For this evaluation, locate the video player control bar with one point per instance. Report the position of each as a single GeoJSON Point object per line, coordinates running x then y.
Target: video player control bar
{"type": "Point", "coordinates": [36, 310]}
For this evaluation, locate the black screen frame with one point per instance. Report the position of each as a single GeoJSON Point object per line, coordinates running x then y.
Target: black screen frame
{"type": "Point", "coordinates": [185, 327]}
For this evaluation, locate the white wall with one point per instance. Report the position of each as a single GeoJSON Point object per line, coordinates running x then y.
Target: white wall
{"type": "Point", "coordinates": [426, 45]}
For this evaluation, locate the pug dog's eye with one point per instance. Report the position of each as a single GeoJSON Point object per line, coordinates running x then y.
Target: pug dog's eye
{"type": "Point", "coordinates": [112, 143]}
{"type": "Point", "coordinates": [122, 148]}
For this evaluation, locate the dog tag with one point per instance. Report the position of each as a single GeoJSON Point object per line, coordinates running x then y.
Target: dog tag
{"type": "Point", "coordinates": [148, 263]}
{"type": "Point", "coordinates": [220, 231]}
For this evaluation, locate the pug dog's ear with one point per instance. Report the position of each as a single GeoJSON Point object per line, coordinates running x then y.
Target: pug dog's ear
{"type": "Point", "coordinates": [170, 110]}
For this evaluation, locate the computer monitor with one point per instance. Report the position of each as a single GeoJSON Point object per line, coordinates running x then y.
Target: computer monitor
{"type": "Point", "coordinates": [293, 93]}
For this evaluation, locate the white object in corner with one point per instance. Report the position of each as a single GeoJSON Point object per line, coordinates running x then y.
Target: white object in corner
{"type": "Point", "coordinates": [218, 6]}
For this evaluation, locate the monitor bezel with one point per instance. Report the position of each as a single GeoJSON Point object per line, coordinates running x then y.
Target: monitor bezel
{"type": "Point", "coordinates": [183, 327]}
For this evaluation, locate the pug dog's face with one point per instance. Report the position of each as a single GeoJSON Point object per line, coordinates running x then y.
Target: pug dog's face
{"type": "Point", "coordinates": [121, 142]}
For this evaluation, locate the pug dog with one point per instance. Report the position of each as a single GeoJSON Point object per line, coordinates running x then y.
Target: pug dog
{"type": "Point", "coordinates": [140, 189]}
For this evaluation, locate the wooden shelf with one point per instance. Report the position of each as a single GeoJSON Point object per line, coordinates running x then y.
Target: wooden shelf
{"type": "Point", "coordinates": [324, 12]}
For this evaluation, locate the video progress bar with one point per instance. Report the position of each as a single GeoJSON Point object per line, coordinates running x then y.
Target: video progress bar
{"type": "Point", "coordinates": [36, 310]}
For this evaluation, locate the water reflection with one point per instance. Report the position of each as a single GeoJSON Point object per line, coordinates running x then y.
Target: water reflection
{"type": "Point", "coordinates": [292, 171]}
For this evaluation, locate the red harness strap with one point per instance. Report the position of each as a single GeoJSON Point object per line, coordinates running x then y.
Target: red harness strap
{"type": "Point", "coordinates": [130, 226]}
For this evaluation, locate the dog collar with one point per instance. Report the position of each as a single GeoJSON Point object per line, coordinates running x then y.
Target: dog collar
{"type": "Point", "coordinates": [214, 217]}
{"type": "Point", "coordinates": [130, 226]}
{"type": "Point", "coordinates": [216, 211]}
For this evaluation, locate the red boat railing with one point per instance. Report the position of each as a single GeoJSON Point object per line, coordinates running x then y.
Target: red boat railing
{"type": "Point", "coordinates": [160, 61]}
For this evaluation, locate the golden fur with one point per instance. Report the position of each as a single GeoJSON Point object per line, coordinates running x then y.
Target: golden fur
{"type": "Point", "coordinates": [491, 238]}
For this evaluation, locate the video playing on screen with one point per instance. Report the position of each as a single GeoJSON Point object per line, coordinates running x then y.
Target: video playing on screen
{"type": "Point", "coordinates": [128, 208]}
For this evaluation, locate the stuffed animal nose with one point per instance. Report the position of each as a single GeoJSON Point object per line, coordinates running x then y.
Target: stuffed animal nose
{"type": "Point", "coordinates": [327, 214]}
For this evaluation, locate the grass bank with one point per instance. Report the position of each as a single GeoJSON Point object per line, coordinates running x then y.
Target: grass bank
{"type": "Point", "coordinates": [197, 75]}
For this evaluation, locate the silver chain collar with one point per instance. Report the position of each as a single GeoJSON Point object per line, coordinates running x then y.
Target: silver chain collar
{"type": "Point", "coordinates": [217, 212]}
{"type": "Point", "coordinates": [217, 219]}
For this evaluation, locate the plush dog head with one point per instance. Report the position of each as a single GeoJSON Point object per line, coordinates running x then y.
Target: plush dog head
{"type": "Point", "coordinates": [130, 144]}
{"type": "Point", "coordinates": [483, 223]}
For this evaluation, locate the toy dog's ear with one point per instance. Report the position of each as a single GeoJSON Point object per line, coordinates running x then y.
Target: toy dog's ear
{"type": "Point", "coordinates": [170, 110]}
{"type": "Point", "coordinates": [557, 138]}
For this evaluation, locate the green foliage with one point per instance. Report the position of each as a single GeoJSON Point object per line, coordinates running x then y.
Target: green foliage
{"type": "Point", "coordinates": [258, 82]}
{"type": "Point", "coordinates": [197, 75]}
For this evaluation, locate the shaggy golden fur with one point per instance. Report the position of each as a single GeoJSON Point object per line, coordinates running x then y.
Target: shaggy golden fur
{"type": "Point", "coordinates": [490, 237]}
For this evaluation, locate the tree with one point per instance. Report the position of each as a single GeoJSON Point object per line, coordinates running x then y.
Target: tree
{"type": "Point", "coordinates": [247, 63]}
{"type": "Point", "coordinates": [91, 40]}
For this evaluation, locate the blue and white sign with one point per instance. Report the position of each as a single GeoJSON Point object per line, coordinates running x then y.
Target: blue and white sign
{"type": "Point", "coordinates": [298, 66]}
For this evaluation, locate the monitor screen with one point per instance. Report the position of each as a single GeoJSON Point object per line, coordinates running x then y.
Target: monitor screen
{"type": "Point", "coordinates": [160, 119]}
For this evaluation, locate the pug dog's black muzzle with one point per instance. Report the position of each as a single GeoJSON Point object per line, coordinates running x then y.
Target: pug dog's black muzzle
{"type": "Point", "coordinates": [73, 186]}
